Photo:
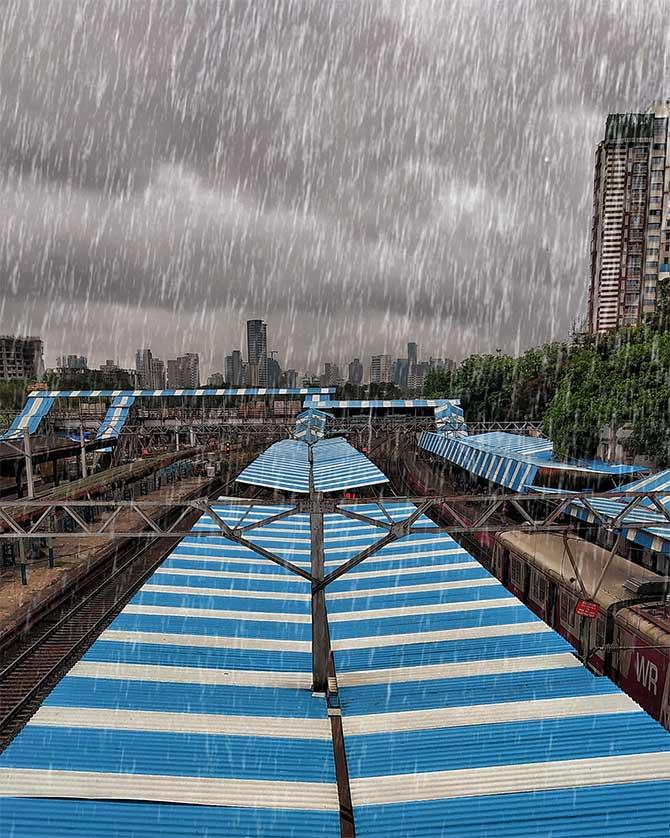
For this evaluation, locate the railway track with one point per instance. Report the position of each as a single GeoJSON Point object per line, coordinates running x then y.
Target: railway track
{"type": "Point", "coordinates": [41, 654]}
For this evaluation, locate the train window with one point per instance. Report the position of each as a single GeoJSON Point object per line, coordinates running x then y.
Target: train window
{"type": "Point", "coordinates": [517, 573]}
{"type": "Point", "coordinates": [568, 605]}
{"type": "Point", "coordinates": [538, 588]}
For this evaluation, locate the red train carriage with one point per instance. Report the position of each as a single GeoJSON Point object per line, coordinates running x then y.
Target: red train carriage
{"type": "Point", "coordinates": [619, 622]}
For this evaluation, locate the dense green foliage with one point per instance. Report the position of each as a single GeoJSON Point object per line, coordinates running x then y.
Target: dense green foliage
{"type": "Point", "coordinates": [576, 388]}
{"type": "Point", "coordinates": [12, 394]}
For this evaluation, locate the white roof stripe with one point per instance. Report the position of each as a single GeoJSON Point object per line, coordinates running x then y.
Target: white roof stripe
{"type": "Point", "coordinates": [209, 723]}
{"type": "Point", "coordinates": [439, 636]}
{"type": "Point", "coordinates": [205, 791]}
{"type": "Point", "coordinates": [191, 675]}
{"type": "Point", "coordinates": [467, 669]}
{"type": "Point", "coordinates": [532, 777]}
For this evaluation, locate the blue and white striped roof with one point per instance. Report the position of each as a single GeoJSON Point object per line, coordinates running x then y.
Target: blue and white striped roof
{"type": "Point", "coordinates": [450, 420]}
{"type": "Point", "coordinates": [337, 466]}
{"type": "Point", "coordinates": [510, 460]}
{"type": "Point", "coordinates": [31, 416]}
{"type": "Point", "coordinates": [310, 425]}
{"type": "Point", "coordinates": [201, 391]}
{"type": "Point", "coordinates": [638, 525]}
{"type": "Point", "coordinates": [464, 714]}
{"type": "Point", "coordinates": [284, 466]}
{"type": "Point", "coordinates": [192, 714]}
{"type": "Point", "coordinates": [115, 418]}
{"type": "Point", "coordinates": [372, 404]}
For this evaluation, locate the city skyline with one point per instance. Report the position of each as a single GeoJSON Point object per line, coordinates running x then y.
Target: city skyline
{"type": "Point", "coordinates": [185, 371]}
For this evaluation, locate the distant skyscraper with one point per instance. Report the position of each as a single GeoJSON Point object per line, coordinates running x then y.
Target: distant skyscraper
{"type": "Point", "coordinates": [417, 376]}
{"type": "Point", "coordinates": [143, 365]}
{"type": "Point", "coordinates": [183, 373]}
{"type": "Point", "coordinates": [234, 372]}
{"type": "Point", "coordinates": [215, 380]}
{"type": "Point", "coordinates": [157, 374]}
{"type": "Point", "coordinates": [331, 375]}
{"type": "Point", "coordinates": [273, 371]}
{"type": "Point", "coordinates": [356, 372]}
{"type": "Point", "coordinates": [630, 236]}
{"type": "Point", "coordinates": [381, 369]}
{"type": "Point", "coordinates": [411, 354]}
{"type": "Point", "coordinates": [401, 372]}
{"type": "Point", "coordinates": [257, 353]}
{"type": "Point", "coordinates": [173, 374]}
{"type": "Point", "coordinates": [189, 367]}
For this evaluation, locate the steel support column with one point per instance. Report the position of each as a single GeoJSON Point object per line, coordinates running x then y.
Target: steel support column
{"type": "Point", "coordinates": [320, 634]}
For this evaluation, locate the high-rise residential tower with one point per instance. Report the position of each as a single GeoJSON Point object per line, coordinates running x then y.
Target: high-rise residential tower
{"type": "Point", "coordinates": [412, 354]}
{"type": "Point", "coordinates": [21, 357]}
{"type": "Point", "coordinates": [143, 366]}
{"type": "Point", "coordinates": [234, 372]}
{"type": "Point", "coordinates": [257, 353]}
{"type": "Point", "coordinates": [630, 237]}
{"type": "Point", "coordinates": [381, 369]}
{"type": "Point", "coordinates": [356, 372]}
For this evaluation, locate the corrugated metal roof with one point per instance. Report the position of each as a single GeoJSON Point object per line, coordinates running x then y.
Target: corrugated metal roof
{"type": "Point", "coordinates": [326, 404]}
{"type": "Point", "coordinates": [201, 391]}
{"type": "Point", "coordinates": [464, 714]}
{"type": "Point", "coordinates": [640, 521]}
{"type": "Point", "coordinates": [337, 466]}
{"type": "Point", "coordinates": [310, 425]}
{"type": "Point", "coordinates": [33, 412]}
{"type": "Point", "coordinates": [450, 420]}
{"type": "Point", "coordinates": [197, 694]}
{"type": "Point", "coordinates": [115, 418]}
{"type": "Point", "coordinates": [510, 460]}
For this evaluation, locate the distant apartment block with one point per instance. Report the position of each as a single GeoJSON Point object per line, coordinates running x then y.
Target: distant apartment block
{"type": "Point", "coordinates": [157, 374]}
{"type": "Point", "coordinates": [21, 357]}
{"type": "Point", "coordinates": [143, 366]}
{"type": "Point", "coordinates": [234, 369]}
{"type": "Point", "coordinates": [257, 353]}
{"type": "Point", "coordinates": [355, 372]}
{"type": "Point", "coordinates": [183, 373]}
{"type": "Point", "coordinates": [331, 375]}
{"type": "Point", "coordinates": [381, 369]}
{"type": "Point", "coordinates": [73, 362]}
{"type": "Point", "coordinates": [289, 378]}
{"type": "Point", "coordinates": [630, 237]}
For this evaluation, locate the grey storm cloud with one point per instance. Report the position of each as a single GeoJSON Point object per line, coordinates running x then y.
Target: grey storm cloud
{"type": "Point", "coordinates": [358, 173]}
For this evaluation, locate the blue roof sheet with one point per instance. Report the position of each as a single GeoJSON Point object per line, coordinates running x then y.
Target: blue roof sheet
{"type": "Point", "coordinates": [464, 713]}
{"type": "Point", "coordinates": [115, 418]}
{"type": "Point", "coordinates": [200, 391]}
{"type": "Point", "coordinates": [638, 524]}
{"type": "Point", "coordinates": [31, 416]}
{"type": "Point", "coordinates": [511, 460]}
{"type": "Point", "coordinates": [401, 404]}
{"type": "Point", "coordinates": [187, 698]}
{"type": "Point", "coordinates": [337, 466]}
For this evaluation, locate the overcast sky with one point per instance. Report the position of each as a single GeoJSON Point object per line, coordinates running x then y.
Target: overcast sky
{"type": "Point", "coordinates": [357, 173]}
